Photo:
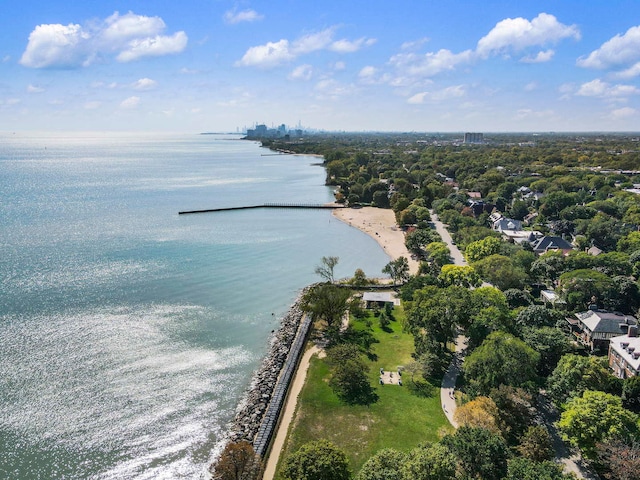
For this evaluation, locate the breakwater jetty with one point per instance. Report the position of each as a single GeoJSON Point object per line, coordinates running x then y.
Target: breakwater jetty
{"type": "Point", "coordinates": [257, 416]}
{"type": "Point", "coordinates": [267, 205]}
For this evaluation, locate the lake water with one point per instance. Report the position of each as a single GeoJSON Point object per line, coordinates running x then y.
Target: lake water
{"type": "Point", "coordinates": [128, 333]}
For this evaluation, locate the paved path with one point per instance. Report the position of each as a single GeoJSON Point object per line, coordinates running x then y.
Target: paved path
{"type": "Point", "coordinates": [287, 414]}
{"type": "Point", "coordinates": [447, 389]}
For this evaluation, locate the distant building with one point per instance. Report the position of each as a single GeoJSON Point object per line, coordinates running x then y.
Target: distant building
{"type": "Point", "coordinates": [624, 354]}
{"type": "Point", "coordinates": [595, 328]}
{"type": "Point", "coordinates": [547, 243]}
{"type": "Point", "coordinates": [474, 138]}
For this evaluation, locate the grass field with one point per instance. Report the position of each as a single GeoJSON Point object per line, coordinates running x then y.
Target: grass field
{"type": "Point", "coordinates": [399, 419]}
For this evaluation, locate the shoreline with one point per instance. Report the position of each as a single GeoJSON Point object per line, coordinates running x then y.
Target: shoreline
{"type": "Point", "coordinates": [379, 224]}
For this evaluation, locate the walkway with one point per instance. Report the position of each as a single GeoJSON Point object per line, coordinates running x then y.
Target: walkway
{"type": "Point", "coordinates": [447, 390]}
{"type": "Point", "coordinates": [287, 414]}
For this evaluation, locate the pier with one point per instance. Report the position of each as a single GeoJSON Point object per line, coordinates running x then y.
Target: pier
{"type": "Point", "coordinates": [267, 205]}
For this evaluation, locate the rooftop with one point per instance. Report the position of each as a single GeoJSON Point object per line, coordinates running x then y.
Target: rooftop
{"type": "Point", "coordinates": [628, 348]}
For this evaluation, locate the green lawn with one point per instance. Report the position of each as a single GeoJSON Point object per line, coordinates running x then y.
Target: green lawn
{"type": "Point", "coordinates": [399, 419]}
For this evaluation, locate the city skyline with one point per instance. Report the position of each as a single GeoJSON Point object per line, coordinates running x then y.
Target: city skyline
{"type": "Point", "coordinates": [213, 65]}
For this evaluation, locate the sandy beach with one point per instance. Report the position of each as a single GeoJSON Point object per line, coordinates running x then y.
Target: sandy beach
{"type": "Point", "coordinates": [380, 224]}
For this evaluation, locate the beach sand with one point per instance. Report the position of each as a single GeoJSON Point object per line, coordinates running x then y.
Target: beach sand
{"type": "Point", "coordinates": [380, 224]}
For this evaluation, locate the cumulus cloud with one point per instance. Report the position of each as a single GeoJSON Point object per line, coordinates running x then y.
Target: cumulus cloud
{"type": "Point", "coordinates": [430, 64]}
{"type": "Point", "coordinates": [540, 57]}
{"type": "Point", "coordinates": [126, 37]}
{"type": "Point", "coordinates": [233, 16]}
{"type": "Point", "coordinates": [623, 113]}
{"type": "Point", "coordinates": [130, 103]}
{"type": "Point", "coordinates": [301, 72]}
{"type": "Point", "coordinates": [274, 54]}
{"type": "Point", "coordinates": [598, 88]}
{"type": "Point", "coordinates": [144, 84]}
{"type": "Point", "coordinates": [517, 34]}
{"type": "Point", "coordinates": [619, 51]}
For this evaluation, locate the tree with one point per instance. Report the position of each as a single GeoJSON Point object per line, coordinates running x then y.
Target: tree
{"type": "Point", "coordinates": [397, 269]}
{"type": "Point", "coordinates": [536, 316]}
{"type": "Point", "coordinates": [502, 359]}
{"type": "Point", "coordinates": [479, 412]}
{"type": "Point", "coordinates": [326, 268]}
{"type": "Point", "coordinates": [462, 276]}
{"type": "Point", "coordinates": [359, 278]}
{"type": "Point", "coordinates": [526, 469]}
{"type": "Point", "coordinates": [480, 249]}
{"type": "Point", "coordinates": [327, 303]}
{"type": "Point", "coordinates": [500, 271]}
{"type": "Point", "coordinates": [551, 343]}
{"type": "Point", "coordinates": [384, 465]}
{"type": "Point", "coordinates": [575, 374]}
{"type": "Point", "coordinates": [429, 462]}
{"type": "Point", "coordinates": [595, 417]}
{"type": "Point", "coordinates": [631, 393]}
{"type": "Point", "coordinates": [238, 461]}
{"type": "Point", "coordinates": [515, 411]}
{"type": "Point", "coordinates": [620, 458]}
{"type": "Point", "coordinates": [579, 286]}
{"type": "Point", "coordinates": [319, 460]}
{"type": "Point", "coordinates": [480, 453]}
{"type": "Point", "coordinates": [350, 382]}
{"type": "Point", "coordinates": [536, 444]}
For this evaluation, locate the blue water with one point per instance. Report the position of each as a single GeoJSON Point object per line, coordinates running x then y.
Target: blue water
{"type": "Point", "coordinates": [128, 333]}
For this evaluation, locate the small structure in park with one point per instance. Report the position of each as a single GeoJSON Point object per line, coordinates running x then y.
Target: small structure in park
{"type": "Point", "coordinates": [379, 299]}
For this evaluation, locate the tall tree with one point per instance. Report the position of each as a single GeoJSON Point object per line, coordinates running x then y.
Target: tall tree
{"type": "Point", "coordinates": [384, 465]}
{"type": "Point", "coordinates": [319, 460]}
{"type": "Point", "coordinates": [429, 462]}
{"type": "Point", "coordinates": [398, 270]}
{"type": "Point", "coordinates": [238, 461]}
{"type": "Point", "coordinates": [480, 453]}
{"type": "Point", "coordinates": [327, 303]}
{"type": "Point", "coordinates": [326, 268]}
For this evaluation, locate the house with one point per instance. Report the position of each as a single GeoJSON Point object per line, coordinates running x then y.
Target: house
{"type": "Point", "coordinates": [379, 299]}
{"type": "Point", "coordinates": [624, 354]}
{"type": "Point", "coordinates": [551, 298]}
{"type": "Point", "coordinates": [546, 243]}
{"type": "Point", "coordinates": [595, 328]}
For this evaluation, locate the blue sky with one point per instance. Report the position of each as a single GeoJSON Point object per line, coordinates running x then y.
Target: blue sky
{"type": "Point", "coordinates": [424, 65]}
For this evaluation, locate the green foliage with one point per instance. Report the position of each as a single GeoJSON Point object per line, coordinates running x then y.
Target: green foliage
{"type": "Point", "coordinates": [384, 465]}
{"type": "Point", "coordinates": [619, 458]}
{"type": "Point", "coordinates": [551, 343]}
{"type": "Point", "coordinates": [326, 268]}
{"type": "Point", "coordinates": [458, 275]}
{"type": "Point", "coordinates": [575, 374]}
{"type": "Point", "coordinates": [537, 316]}
{"type": "Point", "coordinates": [319, 460]}
{"type": "Point", "coordinates": [480, 453]}
{"type": "Point", "coordinates": [526, 469]}
{"type": "Point", "coordinates": [398, 270]}
{"type": "Point", "coordinates": [518, 298]}
{"type": "Point", "coordinates": [429, 462]}
{"type": "Point", "coordinates": [502, 359]}
{"type": "Point", "coordinates": [595, 417]}
{"type": "Point", "coordinates": [327, 303]}
{"type": "Point", "coordinates": [515, 411]}
{"type": "Point", "coordinates": [350, 382]}
{"type": "Point", "coordinates": [501, 272]}
{"type": "Point", "coordinates": [480, 249]}
{"type": "Point", "coordinates": [579, 286]}
{"type": "Point", "coordinates": [536, 444]}
{"type": "Point", "coordinates": [631, 393]}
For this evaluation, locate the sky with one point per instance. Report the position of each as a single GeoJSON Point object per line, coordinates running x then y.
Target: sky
{"type": "Point", "coordinates": [423, 65]}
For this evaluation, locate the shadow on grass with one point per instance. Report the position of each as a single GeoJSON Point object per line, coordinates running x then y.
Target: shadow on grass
{"type": "Point", "coordinates": [421, 388]}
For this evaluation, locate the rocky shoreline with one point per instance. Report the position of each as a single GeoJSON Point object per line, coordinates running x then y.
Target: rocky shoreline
{"type": "Point", "coordinates": [255, 404]}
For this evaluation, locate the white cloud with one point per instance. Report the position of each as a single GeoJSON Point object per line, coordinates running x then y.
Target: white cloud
{"type": "Point", "coordinates": [430, 64]}
{"type": "Point", "coordinates": [233, 16]}
{"type": "Point", "coordinates": [540, 57]}
{"type": "Point", "coordinates": [93, 105]}
{"type": "Point", "coordinates": [448, 93]}
{"type": "Point", "coordinates": [346, 46]}
{"type": "Point", "coordinates": [620, 50]}
{"type": "Point", "coordinates": [128, 37]}
{"type": "Point", "coordinates": [330, 88]}
{"type": "Point", "coordinates": [530, 87]}
{"type": "Point", "coordinates": [301, 72]}
{"type": "Point", "coordinates": [144, 84]}
{"type": "Point", "coordinates": [517, 34]}
{"type": "Point", "coordinates": [130, 103]}
{"type": "Point", "coordinates": [34, 89]}
{"type": "Point", "coordinates": [631, 72]}
{"type": "Point", "coordinates": [270, 55]}
{"type": "Point", "coordinates": [57, 45]}
{"type": "Point", "coordinates": [339, 66]}
{"type": "Point", "coordinates": [623, 113]}
{"type": "Point", "coordinates": [414, 45]}
{"type": "Point", "coordinates": [274, 54]}
{"type": "Point", "coordinates": [598, 88]}
{"type": "Point", "coordinates": [157, 46]}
